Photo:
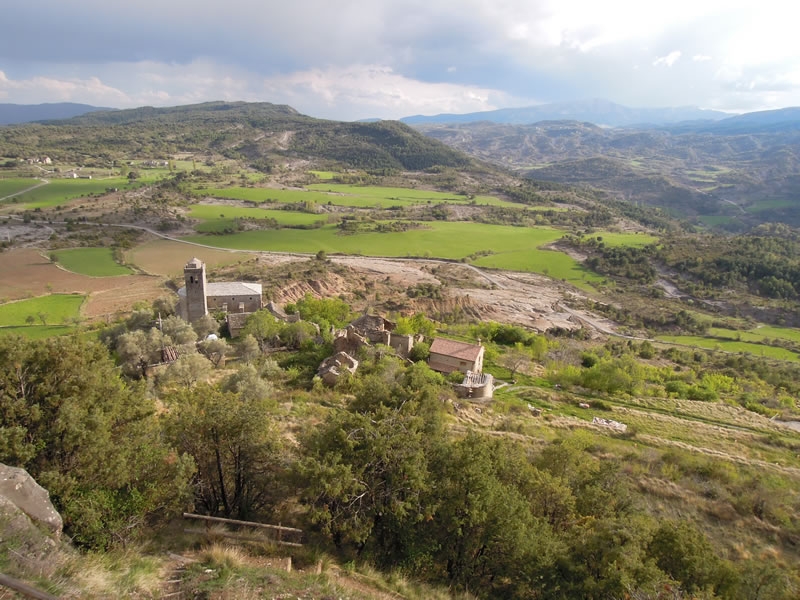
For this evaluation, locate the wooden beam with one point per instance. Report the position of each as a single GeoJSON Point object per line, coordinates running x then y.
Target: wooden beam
{"type": "Point", "coordinates": [25, 589]}
{"type": "Point", "coordinates": [242, 537]}
{"type": "Point", "coordinates": [244, 523]}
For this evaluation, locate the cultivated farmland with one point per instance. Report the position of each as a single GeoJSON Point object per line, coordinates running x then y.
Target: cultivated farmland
{"type": "Point", "coordinates": [728, 345]}
{"type": "Point", "coordinates": [218, 218]}
{"type": "Point", "coordinates": [15, 185]}
{"type": "Point", "coordinates": [54, 308]}
{"type": "Point", "coordinates": [61, 191]}
{"type": "Point", "coordinates": [349, 195]}
{"type": "Point", "coordinates": [94, 262]}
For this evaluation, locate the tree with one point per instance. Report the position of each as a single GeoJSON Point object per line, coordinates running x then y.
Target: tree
{"type": "Point", "coordinates": [323, 311]}
{"type": "Point", "coordinates": [205, 326]}
{"type": "Point", "coordinates": [295, 335]}
{"type": "Point", "coordinates": [187, 371]}
{"type": "Point", "coordinates": [417, 324]}
{"type": "Point", "coordinates": [215, 350]}
{"type": "Point", "coordinates": [178, 331]}
{"type": "Point", "coordinates": [684, 553]}
{"type": "Point", "coordinates": [238, 453]}
{"type": "Point", "coordinates": [516, 358]}
{"type": "Point", "coordinates": [248, 384]}
{"type": "Point", "coordinates": [420, 352]}
{"type": "Point", "coordinates": [165, 305]}
{"type": "Point", "coordinates": [262, 326]}
{"type": "Point", "coordinates": [485, 536]}
{"type": "Point", "coordinates": [88, 437]}
{"type": "Point", "coordinates": [365, 476]}
{"type": "Point", "coordinates": [248, 348]}
{"type": "Point", "coordinates": [139, 349]}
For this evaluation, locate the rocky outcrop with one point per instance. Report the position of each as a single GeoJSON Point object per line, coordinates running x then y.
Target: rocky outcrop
{"type": "Point", "coordinates": [19, 493]}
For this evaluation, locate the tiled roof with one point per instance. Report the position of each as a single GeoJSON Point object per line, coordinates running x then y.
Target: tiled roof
{"type": "Point", "coordinates": [229, 288]}
{"type": "Point", "coordinates": [233, 288]}
{"type": "Point", "coordinates": [454, 349]}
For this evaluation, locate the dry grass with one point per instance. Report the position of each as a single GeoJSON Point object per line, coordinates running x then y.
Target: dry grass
{"type": "Point", "coordinates": [167, 258]}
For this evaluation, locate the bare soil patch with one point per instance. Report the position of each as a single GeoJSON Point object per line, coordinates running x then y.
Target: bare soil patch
{"type": "Point", "coordinates": [26, 273]}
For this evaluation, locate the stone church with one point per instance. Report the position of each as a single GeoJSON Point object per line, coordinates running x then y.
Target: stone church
{"type": "Point", "coordinates": [198, 297]}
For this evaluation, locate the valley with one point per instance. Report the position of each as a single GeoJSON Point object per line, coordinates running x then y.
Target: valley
{"type": "Point", "coordinates": [646, 368]}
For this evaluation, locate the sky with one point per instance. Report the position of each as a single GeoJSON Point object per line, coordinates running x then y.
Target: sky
{"type": "Point", "coordinates": [348, 59]}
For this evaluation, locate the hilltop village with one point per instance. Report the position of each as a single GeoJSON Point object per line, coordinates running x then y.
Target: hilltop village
{"type": "Point", "coordinates": [237, 301]}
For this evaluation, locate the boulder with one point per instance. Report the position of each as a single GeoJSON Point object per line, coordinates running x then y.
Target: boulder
{"type": "Point", "coordinates": [20, 490]}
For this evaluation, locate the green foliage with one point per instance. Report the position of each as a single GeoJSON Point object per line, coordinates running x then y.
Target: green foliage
{"type": "Point", "coordinates": [323, 311]}
{"type": "Point", "coordinates": [765, 261]}
{"type": "Point", "coordinates": [88, 437]}
{"type": "Point", "coordinates": [232, 440]}
{"type": "Point", "coordinates": [416, 324]}
{"type": "Point", "coordinates": [686, 555]}
{"type": "Point", "coordinates": [420, 352]}
{"type": "Point", "coordinates": [365, 475]}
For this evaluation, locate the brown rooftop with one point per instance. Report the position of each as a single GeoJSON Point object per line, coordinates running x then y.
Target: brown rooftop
{"type": "Point", "coordinates": [454, 349]}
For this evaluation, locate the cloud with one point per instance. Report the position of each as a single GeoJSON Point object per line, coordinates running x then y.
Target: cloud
{"type": "Point", "coordinates": [359, 91]}
{"type": "Point", "coordinates": [412, 56]}
{"type": "Point", "coordinates": [33, 90]}
{"type": "Point", "coordinates": [668, 60]}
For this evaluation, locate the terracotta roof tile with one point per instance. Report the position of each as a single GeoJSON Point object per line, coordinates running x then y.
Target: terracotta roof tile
{"type": "Point", "coordinates": [454, 349]}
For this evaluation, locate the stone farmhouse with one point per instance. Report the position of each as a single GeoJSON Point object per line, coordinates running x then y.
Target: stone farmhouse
{"type": "Point", "coordinates": [449, 355]}
{"type": "Point", "coordinates": [197, 297]}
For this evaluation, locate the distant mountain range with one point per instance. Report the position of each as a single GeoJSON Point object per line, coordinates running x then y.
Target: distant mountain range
{"type": "Point", "coordinates": [735, 172]}
{"type": "Point", "coordinates": [599, 112]}
{"type": "Point", "coordinates": [11, 114]}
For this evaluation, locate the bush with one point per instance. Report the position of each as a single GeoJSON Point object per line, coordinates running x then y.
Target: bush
{"type": "Point", "coordinates": [420, 352]}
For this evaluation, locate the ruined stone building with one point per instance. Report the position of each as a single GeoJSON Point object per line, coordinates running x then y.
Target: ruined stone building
{"type": "Point", "coordinates": [374, 329]}
{"type": "Point", "coordinates": [197, 297]}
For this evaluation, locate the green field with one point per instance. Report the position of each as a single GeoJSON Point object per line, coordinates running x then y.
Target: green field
{"type": "Point", "coordinates": [405, 195]}
{"type": "Point", "coordinates": [613, 238]}
{"type": "Point", "coordinates": [770, 205]}
{"type": "Point", "coordinates": [547, 262]}
{"type": "Point", "coordinates": [349, 195]}
{"type": "Point", "coordinates": [36, 332]}
{"type": "Point", "coordinates": [17, 184]}
{"type": "Point", "coordinates": [95, 262]}
{"type": "Point", "coordinates": [516, 248]}
{"type": "Point", "coordinates": [59, 191]}
{"type": "Point", "coordinates": [758, 335]}
{"type": "Point", "coordinates": [56, 308]}
{"type": "Point", "coordinates": [716, 220]}
{"type": "Point", "coordinates": [218, 218]}
{"type": "Point", "coordinates": [324, 175]}
{"type": "Point", "coordinates": [732, 346]}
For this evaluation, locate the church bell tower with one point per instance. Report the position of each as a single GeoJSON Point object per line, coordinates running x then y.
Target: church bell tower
{"type": "Point", "coordinates": [194, 274]}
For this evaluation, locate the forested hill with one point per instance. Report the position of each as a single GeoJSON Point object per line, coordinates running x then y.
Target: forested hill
{"type": "Point", "coordinates": [258, 133]}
